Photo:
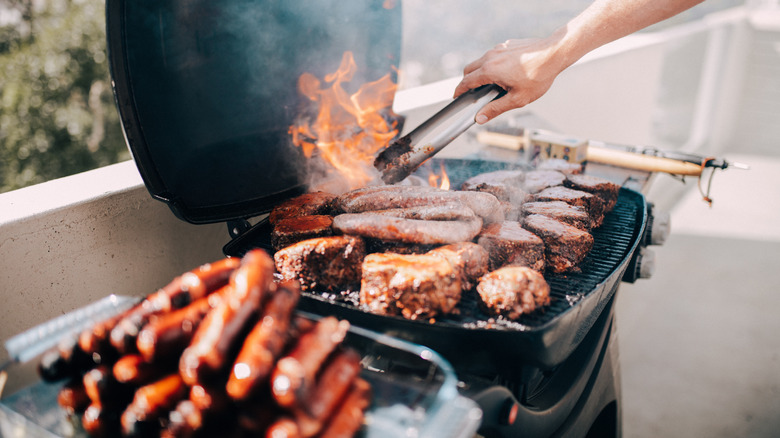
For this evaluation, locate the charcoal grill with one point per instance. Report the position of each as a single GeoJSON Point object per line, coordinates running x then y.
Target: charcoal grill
{"type": "Point", "coordinates": [206, 92]}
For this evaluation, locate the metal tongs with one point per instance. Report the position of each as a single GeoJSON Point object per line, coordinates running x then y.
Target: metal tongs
{"type": "Point", "coordinates": [407, 153]}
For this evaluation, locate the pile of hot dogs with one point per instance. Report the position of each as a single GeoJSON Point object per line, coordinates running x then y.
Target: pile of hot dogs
{"type": "Point", "coordinates": [217, 352]}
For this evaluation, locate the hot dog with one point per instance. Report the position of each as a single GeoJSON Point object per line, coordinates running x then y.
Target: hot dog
{"type": "Point", "coordinates": [150, 403]}
{"type": "Point", "coordinates": [214, 343]}
{"type": "Point", "coordinates": [264, 344]}
{"type": "Point", "coordinates": [294, 375]}
{"type": "Point", "coordinates": [349, 417]}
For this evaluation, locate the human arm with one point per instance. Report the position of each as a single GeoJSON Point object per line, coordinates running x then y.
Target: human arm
{"type": "Point", "coordinates": [526, 68]}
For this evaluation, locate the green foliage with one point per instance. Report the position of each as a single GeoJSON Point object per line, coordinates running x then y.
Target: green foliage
{"type": "Point", "coordinates": [57, 114]}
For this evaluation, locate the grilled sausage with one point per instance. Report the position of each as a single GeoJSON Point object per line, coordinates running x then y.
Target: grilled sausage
{"type": "Point", "coordinates": [379, 226]}
{"type": "Point", "coordinates": [104, 390]}
{"type": "Point", "coordinates": [294, 375]}
{"type": "Point", "coordinates": [100, 422]}
{"type": "Point", "coordinates": [150, 403]}
{"type": "Point", "coordinates": [73, 397]}
{"type": "Point", "coordinates": [65, 360]}
{"type": "Point", "coordinates": [167, 335]}
{"type": "Point", "coordinates": [180, 292]}
{"type": "Point", "coordinates": [349, 417]}
{"type": "Point", "coordinates": [215, 341]}
{"type": "Point", "coordinates": [333, 384]}
{"type": "Point", "coordinates": [284, 427]}
{"type": "Point", "coordinates": [132, 369]}
{"type": "Point", "coordinates": [264, 344]}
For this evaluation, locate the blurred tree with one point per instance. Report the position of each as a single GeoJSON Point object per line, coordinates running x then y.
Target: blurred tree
{"type": "Point", "coordinates": [57, 114]}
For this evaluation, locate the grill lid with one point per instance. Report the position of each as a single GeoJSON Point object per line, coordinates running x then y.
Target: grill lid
{"type": "Point", "coordinates": [206, 91]}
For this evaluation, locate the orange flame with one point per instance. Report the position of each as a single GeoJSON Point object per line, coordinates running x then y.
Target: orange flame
{"type": "Point", "coordinates": [433, 179]}
{"type": "Point", "coordinates": [349, 130]}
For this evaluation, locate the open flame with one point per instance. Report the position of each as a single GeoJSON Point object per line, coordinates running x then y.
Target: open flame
{"type": "Point", "coordinates": [433, 179]}
{"type": "Point", "coordinates": [349, 129]}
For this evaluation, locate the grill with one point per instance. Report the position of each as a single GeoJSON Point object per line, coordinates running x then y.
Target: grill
{"type": "Point", "coordinates": [195, 80]}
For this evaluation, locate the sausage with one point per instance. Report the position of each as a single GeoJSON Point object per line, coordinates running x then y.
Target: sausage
{"type": "Point", "coordinates": [65, 360]}
{"type": "Point", "coordinates": [284, 427]}
{"type": "Point", "coordinates": [348, 419]}
{"type": "Point", "coordinates": [366, 199]}
{"type": "Point", "coordinates": [95, 341]}
{"type": "Point", "coordinates": [73, 397]}
{"type": "Point", "coordinates": [150, 403]}
{"type": "Point", "coordinates": [132, 369]}
{"type": "Point", "coordinates": [332, 385]}
{"type": "Point", "coordinates": [264, 344]}
{"type": "Point", "coordinates": [166, 336]}
{"type": "Point", "coordinates": [379, 226]}
{"type": "Point", "coordinates": [294, 375]}
{"type": "Point", "coordinates": [214, 343]}
{"type": "Point", "coordinates": [104, 390]}
{"type": "Point", "coordinates": [180, 292]}
{"type": "Point", "coordinates": [100, 422]}
{"type": "Point", "coordinates": [441, 212]}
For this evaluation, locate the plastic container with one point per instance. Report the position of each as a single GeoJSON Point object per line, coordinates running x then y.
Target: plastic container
{"type": "Point", "coordinates": [414, 395]}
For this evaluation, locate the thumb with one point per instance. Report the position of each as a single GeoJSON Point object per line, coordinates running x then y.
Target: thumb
{"type": "Point", "coordinates": [492, 110]}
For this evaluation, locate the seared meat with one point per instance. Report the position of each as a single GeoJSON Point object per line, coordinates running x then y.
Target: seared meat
{"type": "Point", "coordinates": [538, 180]}
{"type": "Point", "coordinates": [505, 185]}
{"type": "Point", "coordinates": [513, 290]}
{"type": "Point", "coordinates": [507, 243]}
{"type": "Point", "coordinates": [604, 189]}
{"type": "Point", "coordinates": [573, 215]}
{"type": "Point", "coordinates": [367, 199]}
{"type": "Point", "coordinates": [315, 203]}
{"type": "Point", "coordinates": [444, 212]}
{"type": "Point", "coordinates": [512, 212]}
{"type": "Point", "coordinates": [560, 165]}
{"type": "Point", "coordinates": [592, 204]}
{"type": "Point", "coordinates": [415, 286]}
{"type": "Point", "coordinates": [294, 229]}
{"type": "Point", "coordinates": [323, 263]}
{"type": "Point", "coordinates": [469, 260]}
{"type": "Point", "coordinates": [376, 245]}
{"type": "Point", "coordinates": [565, 246]}
{"type": "Point", "coordinates": [395, 229]}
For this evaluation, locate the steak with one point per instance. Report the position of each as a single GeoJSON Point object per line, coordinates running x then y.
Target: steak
{"type": "Point", "coordinates": [315, 203]}
{"type": "Point", "coordinates": [512, 291]}
{"type": "Point", "coordinates": [591, 203]}
{"type": "Point", "coordinates": [508, 244]}
{"type": "Point", "coordinates": [323, 263]}
{"type": "Point", "coordinates": [294, 229]}
{"type": "Point", "coordinates": [565, 245]}
{"type": "Point", "coordinates": [538, 180]}
{"type": "Point", "coordinates": [469, 260]}
{"type": "Point", "coordinates": [606, 190]}
{"type": "Point", "coordinates": [573, 215]}
{"type": "Point", "coordinates": [415, 286]}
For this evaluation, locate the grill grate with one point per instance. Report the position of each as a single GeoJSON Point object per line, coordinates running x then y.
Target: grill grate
{"type": "Point", "coordinates": [613, 240]}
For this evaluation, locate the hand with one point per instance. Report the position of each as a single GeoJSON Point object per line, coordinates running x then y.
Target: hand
{"type": "Point", "coordinates": [525, 68]}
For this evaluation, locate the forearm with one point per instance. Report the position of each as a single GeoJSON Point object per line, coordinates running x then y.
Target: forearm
{"type": "Point", "coordinates": [605, 21]}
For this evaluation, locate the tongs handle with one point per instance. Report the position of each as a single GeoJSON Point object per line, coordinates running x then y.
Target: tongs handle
{"type": "Point", "coordinates": [406, 154]}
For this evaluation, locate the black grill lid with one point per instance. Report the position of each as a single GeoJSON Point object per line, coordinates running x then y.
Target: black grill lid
{"type": "Point", "coordinates": [206, 91]}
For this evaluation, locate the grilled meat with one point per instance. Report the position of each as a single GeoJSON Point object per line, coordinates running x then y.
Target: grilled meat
{"type": "Point", "coordinates": [513, 290]}
{"type": "Point", "coordinates": [375, 198]}
{"type": "Point", "coordinates": [415, 286]}
{"type": "Point", "coordinates": [308, 204]}
{"type": "Point", "coordinates": [573, 215]}
{"type": "Point", "coordinates": [449, 211]}
{"type": "Point", "coordinates": [469, 260]}
{"type": "Point", "coordinates": [505, 185]}
{"type": "Point", "coordinates": [394, 229]}
{"type": "Point", "coordinates": [294, 229]}
{"type": "Point", "coordinates": [565, 245]}
{"type": "Point", "coordinates": [538, 180]}
{"type": "Point", "coordinates": [604, 189]}
{"type": "Point", "coordinates": [323, 263]}
{"type": "Point", "coordinates": [591, 203]}
{"type": "Point", "coordinates": [508, 244]}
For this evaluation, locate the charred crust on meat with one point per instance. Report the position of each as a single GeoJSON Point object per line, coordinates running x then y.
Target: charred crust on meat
{"type": "Point", "coordinates": [508, 244]}
{"type": "Point", "coordinates": [513, 291]}
{"type": "Point", "coordinates": [324, 263]}
{"type": "Point", "coordinates": [295, 229]}
{"type": "Point", "coordinates": [565, 245]}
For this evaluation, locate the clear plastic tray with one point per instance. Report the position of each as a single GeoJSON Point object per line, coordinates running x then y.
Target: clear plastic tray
{"type": "Point", "coordinates": [414, 395]}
